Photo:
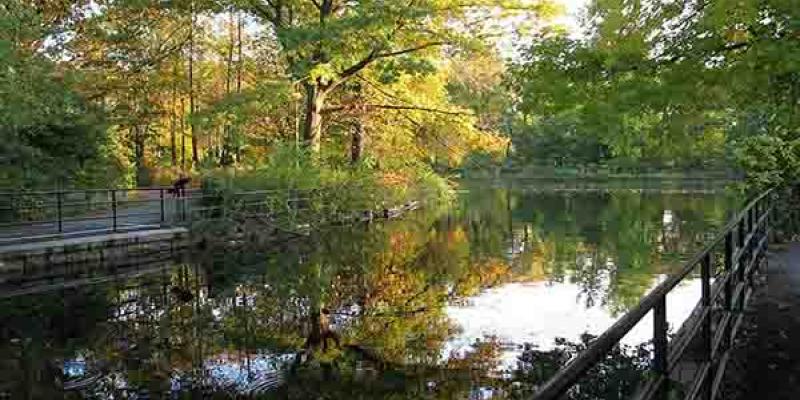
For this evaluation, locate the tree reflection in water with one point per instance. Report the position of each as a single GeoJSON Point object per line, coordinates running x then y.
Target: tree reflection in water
{"type": "Point", "coordinates": [360, 312]}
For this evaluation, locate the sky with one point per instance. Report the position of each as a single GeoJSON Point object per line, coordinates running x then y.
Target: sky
{"type": "Point", "coordinates": [508, 46]}
{"type": "Point", "coordinates": [572, 10]}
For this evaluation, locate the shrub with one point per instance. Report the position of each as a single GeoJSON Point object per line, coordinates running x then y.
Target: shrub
{"type": "Point", "coordinates": [292, 178]}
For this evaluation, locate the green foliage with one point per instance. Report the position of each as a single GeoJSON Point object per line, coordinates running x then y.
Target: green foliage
{"type": "Point", "coordinates": [670, 83]}
{"type": "Point", "coordinates": [383, 295]}
{"type": "Point", "coordinates": [329, 188]}
{"type": "Point", "coordinates": [769, 160]}
{"type": "Point", "coordinates": [617, 376]}
{"type": "Point", "coordinates": [48, 134]}
{"type": "Point", "coordinates": [138, 93]}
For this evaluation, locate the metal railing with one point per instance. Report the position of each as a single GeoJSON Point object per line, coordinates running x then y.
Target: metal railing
{"type": "Point", "coordinates": [709, 331]}
{"type": "Point", "coordinates": [40, 215]}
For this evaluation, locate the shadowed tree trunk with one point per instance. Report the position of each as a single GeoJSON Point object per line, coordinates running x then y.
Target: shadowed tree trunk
{"type": "Point", "coordinates": [183, 134]}
{"type": "Point", "coordinates": [137, 133]}
{"type": "Point", "coordinates": [173, 144]}
{"type": "Point", "coordinates": [192, 127]}
{"type": "Point", "coordinates": [357, 143]}
{"type": "Point", "coordinates": [312, 128]}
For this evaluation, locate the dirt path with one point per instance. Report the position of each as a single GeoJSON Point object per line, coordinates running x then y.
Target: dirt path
{"type": "Point", "coordinates": [766, 358]}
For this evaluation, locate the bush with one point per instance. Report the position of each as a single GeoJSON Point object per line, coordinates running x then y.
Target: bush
{"type": "Point", "coordinates": [324, 190]}
{"type": "Point", "coordinates": [768, 160]}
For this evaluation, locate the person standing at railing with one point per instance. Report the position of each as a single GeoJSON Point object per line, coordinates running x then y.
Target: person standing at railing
{"type": "Point", "coordinates": [179, 186]}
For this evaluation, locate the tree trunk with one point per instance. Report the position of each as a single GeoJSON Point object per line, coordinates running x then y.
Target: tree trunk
{"type": "Point", "coordinates": [239, 54]}
{"type": "Point", "coordinates": [238, 149]}
{"type": "Point", "coordinates": [173, 144]}
{"type": "Point", "coordinates": [183, 135]}
{"type": "Point", "coordinates": [312, 126]}
{"type": "Point", "coordinates": [138, 155]}
{"type": "Point", "coordinates": [225, 157]}
{"type": "Point", "coordinates": [320, 331]}
{"type": "Point", "coordinates": [357, 143]}
{"type": "Point", "coordinates": [192, 127]}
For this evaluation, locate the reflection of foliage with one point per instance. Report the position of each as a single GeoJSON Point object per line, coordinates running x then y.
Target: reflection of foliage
{"type": "Point", "coordinates": [466, 375]}
{"type": "Point", "coordinates": [616, 377]}
{"type": "Point", "coordinates": [364, 309]}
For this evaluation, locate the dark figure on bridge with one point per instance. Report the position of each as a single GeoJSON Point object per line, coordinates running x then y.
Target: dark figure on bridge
{"type": "Point", "coordinates": [178, 188]}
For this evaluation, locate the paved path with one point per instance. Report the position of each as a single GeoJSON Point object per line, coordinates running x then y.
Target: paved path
{"type": "Point", "coordinates": [142, 211]}
{"type": "Point", "coordinates": [766, 360]}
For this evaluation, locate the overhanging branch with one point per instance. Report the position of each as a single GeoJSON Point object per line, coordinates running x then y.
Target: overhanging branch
{"type": "Point", "coordinates": [377, 54]}
{"type": "Point", "coordinates": [394, 107]}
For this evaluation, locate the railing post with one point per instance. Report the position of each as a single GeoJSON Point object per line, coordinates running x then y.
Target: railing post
{"type": "Point", "coordinates": [707, 334]}
{"type": "Point", "coordinates": [767, 220]}
{"type": "Point", "coordinates": [759, 211]}
{"type": "Point", "coordinates": [60, 212]}
{"type": "Point", "coordinates": [729, 274]}
{"type": "Point", "coordinates": [660, 328]}
{"type": "Point", "coordinates": [740, 232]}
{"type": "Point", "coordinates": [113, 210]}
{"type": "Point", "coordinates": [183, 208]}
{"type": "Point", "coordinates": [161, 200]}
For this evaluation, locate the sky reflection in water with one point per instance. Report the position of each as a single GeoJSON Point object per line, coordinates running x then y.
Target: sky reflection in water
{"type": "Point", "coordinates": [507, 267]}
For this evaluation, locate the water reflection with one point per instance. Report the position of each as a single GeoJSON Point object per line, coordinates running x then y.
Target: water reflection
{"type": "Point", "coordinates": [465, 302]}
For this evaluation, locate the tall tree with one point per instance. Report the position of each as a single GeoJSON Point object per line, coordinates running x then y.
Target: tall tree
{"type": "Point", "coordinates": [328, 42]}
{"type": "Point", "coordinates": [675, 81]}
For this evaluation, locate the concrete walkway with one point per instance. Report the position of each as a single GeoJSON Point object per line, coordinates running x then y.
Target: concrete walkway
{"type": "Point", "coordinates": [142, 211]}
{"type": "Point", "coordinates": [766, 358]}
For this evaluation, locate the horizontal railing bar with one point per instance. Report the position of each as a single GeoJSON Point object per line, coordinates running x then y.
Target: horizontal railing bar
{"type": "Point", "coordinates": [653, 385]}
{"type": "Point", "coordinates": [697, 383]}
{"type": "Point", "coordinates": [143, 214]}
{"type": "Point", "coordinates": [123, 203]}
{"type": "Point", "coordinates": [72, 191]}
{"type": "Point", "coordinates": [719, 336]}
{"type": "Point", "coordinates": [87, 218]}
{"type": "Point", "coordinates": [750, 236]}
{"type": "Point", "coordinates": [737, 291]}
{"type": "Point", "coordinates": [756, 260]}
{"type": "Point", "coordinates": [719, 285]}
{"type": "Point", "coordinates": [737, 323]}
{"type": "Point", "coordinates": [686, 339]}
{"type": "Point", "coordinates": [28, 223]}
{"type": "Point", "coordinates": [720, 373]}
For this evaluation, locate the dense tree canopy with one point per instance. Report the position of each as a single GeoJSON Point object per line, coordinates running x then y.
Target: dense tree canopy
{"type": "Point", "coordinates": [678, 83]}
{"type": "Point", "coordinates": [154, 89]}
{"type": "Point", "coordinates": [131, 92]}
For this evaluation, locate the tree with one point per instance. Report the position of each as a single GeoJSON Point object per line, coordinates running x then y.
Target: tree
{"type": "Point", "coordinates": [676, 83]}
{"type": "Point", "coordinates": [50, 134]}
{"type": "Point", "coordinates": [328, 42]}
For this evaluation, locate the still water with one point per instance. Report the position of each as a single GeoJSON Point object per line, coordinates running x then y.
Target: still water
{"type": "Point", "coordinates": [484, 298]}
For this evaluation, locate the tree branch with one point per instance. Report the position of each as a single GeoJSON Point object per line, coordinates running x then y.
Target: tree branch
{"type": "Point", "coordinates": [410, 49]}
{"type": "Point", "coordinates": [264, 12]}
{"type": "Point", "coordinates": [394, 107]}
{"type": "Point", "coordinates": [374, 55]}
{"type": "Point", "coordinates": [355, 68]}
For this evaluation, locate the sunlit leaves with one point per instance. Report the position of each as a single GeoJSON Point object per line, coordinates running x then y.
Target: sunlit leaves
{"type": "Point", "coordinates": [666, 81]}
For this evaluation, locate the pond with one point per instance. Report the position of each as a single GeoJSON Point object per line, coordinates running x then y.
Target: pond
{"type": "Point", "coordinates": [484, 298]}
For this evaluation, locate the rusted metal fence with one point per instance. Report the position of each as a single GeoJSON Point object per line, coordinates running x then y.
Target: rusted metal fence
{"type": "Point", "coordinates": [726, 269]}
